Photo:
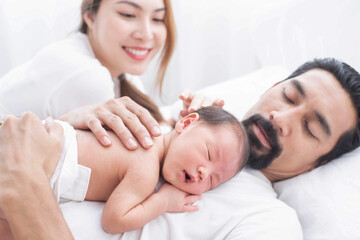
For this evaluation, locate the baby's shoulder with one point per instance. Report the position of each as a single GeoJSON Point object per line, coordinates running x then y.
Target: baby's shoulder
{"type": "Point", "coordinates": [144, 163]}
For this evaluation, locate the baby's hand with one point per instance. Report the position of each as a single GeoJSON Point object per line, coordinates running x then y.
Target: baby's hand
{"type": "Point", "coordinates": [177, 200]}
{"type": "Point", "coordinates": [194, 101]}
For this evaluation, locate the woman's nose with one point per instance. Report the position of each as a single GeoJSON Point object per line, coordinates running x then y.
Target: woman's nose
{"type": "Point", "coordinates": [144, 31]}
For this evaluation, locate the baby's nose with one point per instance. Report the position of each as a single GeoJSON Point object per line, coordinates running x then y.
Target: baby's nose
{"type": "Point", "coordinates": [203, 173]}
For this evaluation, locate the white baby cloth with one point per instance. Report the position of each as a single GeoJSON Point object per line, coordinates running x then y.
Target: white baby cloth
{"type": "Point", "coordinates": [70, 180]}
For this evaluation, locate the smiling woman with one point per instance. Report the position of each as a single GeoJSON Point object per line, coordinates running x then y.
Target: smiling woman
{"type": "Point", "coordinates": [119, 26]}
{"type": "Point", "coordinates": [117, 39]}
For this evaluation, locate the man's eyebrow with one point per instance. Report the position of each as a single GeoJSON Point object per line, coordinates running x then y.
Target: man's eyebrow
{"type": "Point", "coordinates": [296, 83]}
{"type": "Point", "coordinates": [324, 124]}
{"type": "Point", "coordinates": [138, 6]}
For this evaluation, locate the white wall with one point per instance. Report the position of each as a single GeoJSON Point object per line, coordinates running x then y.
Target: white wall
{"type": "Point", "coordinates": [318, 28]}
{"type": "Point", "coordinates": [217, 40]}
{"type": "Point", "coordinates": [26, 26]}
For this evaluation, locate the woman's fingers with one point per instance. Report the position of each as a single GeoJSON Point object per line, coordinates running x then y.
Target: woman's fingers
{"type": "Point", "coordinates": [116, 124]}
{"type": "Point", "coordinates": [138, 121]}
{"type": "Point", "coordinates": [131, 122]}
{"type": "Point", "coordinates": [144, 117]}
{"type": "Point", "coordinates": [95, 125]}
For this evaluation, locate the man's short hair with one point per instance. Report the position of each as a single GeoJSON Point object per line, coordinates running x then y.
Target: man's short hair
{"type": "Point", "coordinates": [349, 79]}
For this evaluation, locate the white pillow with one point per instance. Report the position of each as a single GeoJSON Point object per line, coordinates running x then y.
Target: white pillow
{"type": "Point", "coordinates": [327, 199]}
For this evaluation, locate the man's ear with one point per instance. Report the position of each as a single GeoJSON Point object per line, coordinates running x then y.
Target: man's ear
{"type": "Point", "coordinates": [186, 121]}
{"type": "Point", "coordinates": [89, 19]}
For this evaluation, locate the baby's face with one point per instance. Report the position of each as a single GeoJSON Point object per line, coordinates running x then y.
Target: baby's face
{"type": "Point", "coordinates": [202, 157]}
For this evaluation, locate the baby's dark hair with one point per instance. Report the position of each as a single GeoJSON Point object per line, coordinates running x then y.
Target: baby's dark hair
{"type": "Point", "coordinates": [215, 116]}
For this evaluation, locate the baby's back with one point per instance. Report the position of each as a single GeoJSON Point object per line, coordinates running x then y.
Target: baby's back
{"type": "Point", "coordinates": [110, 164]}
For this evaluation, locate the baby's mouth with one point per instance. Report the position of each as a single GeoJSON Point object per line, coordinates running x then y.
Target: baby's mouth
{"type": "Point", "coordinates": [189, 178]}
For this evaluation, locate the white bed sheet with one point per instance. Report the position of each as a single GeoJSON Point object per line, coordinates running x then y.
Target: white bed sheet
{"type": "Point", "coordinates": [244, 208]}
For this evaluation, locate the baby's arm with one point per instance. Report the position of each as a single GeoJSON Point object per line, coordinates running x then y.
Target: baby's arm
{"type": "Point", "coordinates": [177, 200]}
{"type": "Point", "coordinates": [132, 205]}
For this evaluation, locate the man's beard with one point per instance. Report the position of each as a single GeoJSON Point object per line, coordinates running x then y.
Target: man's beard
{"type": "Point", "coordinates": [256, 160]}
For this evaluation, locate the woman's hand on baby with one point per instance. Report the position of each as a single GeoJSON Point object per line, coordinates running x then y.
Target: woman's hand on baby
{"type": "Point", "coordinates": [124, 116]}
{"type": "Point", "coordinates": [178, 200]}
{"type": "Point", "coordinates": [194, 101]}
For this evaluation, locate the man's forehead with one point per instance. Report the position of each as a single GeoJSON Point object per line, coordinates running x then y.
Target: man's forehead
{"type": "Point", "coordinates": [318, 82]}
{"type": "Point", "coordinates": [315, 75]}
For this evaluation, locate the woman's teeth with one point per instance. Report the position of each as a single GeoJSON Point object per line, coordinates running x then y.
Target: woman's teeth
{"type": "Point", "coordinates": [137, 52]}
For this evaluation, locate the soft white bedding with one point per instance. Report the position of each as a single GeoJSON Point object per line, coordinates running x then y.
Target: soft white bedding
{"type": "Point", "coordinates": [244, 208]}
{"type": "Point", "coordinates": [327, 199]}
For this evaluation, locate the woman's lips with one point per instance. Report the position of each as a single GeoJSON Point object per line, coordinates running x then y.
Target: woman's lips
{"type": "Point", "coordinates": [261, 135]}
{"type": "Point", "coordinates": [137, 53]}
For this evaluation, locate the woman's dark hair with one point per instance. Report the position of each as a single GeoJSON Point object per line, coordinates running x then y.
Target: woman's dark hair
{"type": "Point", "coordinates": [214, 116]}
{"type": "Point", "coordinates": [127, 89]}
{"type": "Point", "coordinates": [349, 79]}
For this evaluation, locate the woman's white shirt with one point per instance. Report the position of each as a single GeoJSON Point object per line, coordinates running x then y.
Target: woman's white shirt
{"type": "Point", "coordinates": [61, 77]}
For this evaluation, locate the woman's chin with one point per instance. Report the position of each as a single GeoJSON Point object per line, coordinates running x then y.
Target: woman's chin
{"type": "Point", "coordinates": [137, 70]}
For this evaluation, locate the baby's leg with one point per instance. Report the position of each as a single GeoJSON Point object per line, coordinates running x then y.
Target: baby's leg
{"type": "Point", "coordinates": [5, 232]}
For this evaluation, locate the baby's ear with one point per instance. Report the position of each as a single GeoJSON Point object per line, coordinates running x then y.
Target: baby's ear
{"type": "Point", "coordinates": [186, 121]}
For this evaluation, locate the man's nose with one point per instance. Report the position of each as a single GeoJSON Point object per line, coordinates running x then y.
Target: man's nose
{"type": "Point", "coordinates": [203, 173]}
{"type": "Point", "coordinates": [282, 122]}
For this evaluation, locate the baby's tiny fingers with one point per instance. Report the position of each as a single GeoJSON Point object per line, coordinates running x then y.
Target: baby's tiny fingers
{"type": "Point", "coordinates": [219, 102]}
{"type": "Point", "coordinates": [190, 208]}
{"type": "Point", "coordinates": [192, 198]}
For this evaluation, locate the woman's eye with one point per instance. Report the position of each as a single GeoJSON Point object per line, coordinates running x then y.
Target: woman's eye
{"type": "Point", "coordinates": [127, 15]}
{"type": "Point", "coordinates": [158, 20]}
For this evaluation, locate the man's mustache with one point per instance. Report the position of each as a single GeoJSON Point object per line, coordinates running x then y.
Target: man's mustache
{"type": "Point", "coordinates": [268, 128]}
{"type": "Point", "coordinates": [266, 156]}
